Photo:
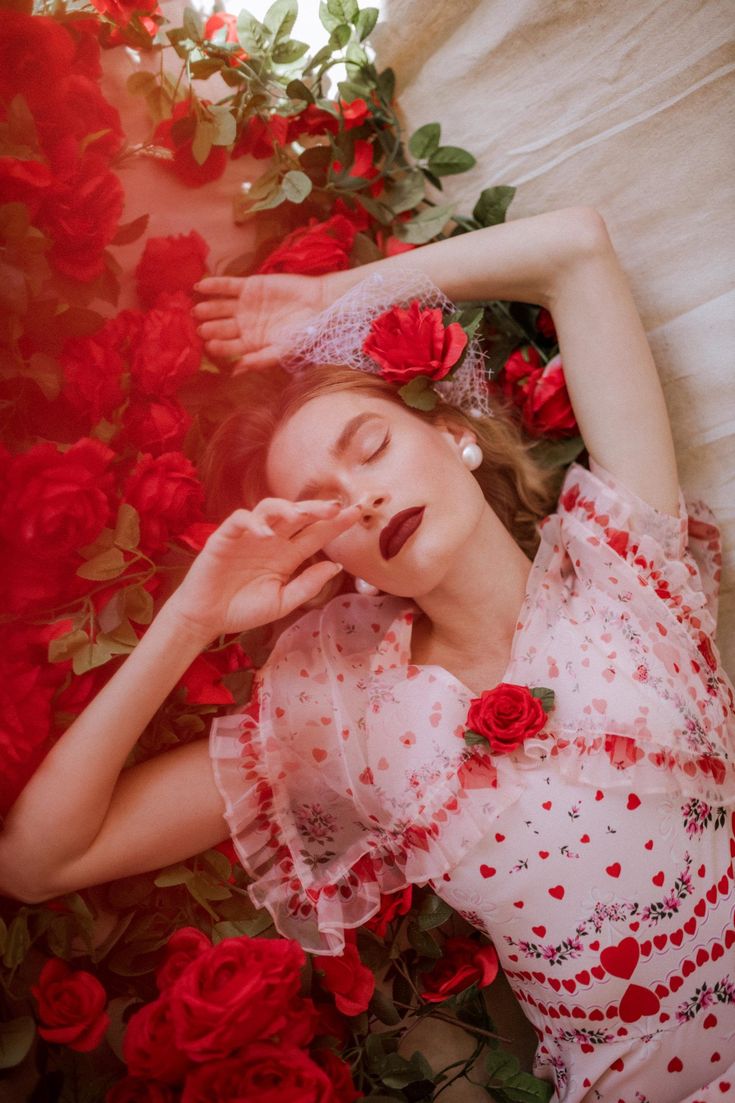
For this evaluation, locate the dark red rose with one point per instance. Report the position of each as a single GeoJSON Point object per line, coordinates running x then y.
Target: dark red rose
{"type": "Point", "coordinates": [354, 113]}
{"type": "Point", "coordinates": [154, 426]}
{"type": "Point", "coordinates": [71, 1006]}
{"type": "Point", "coordinates": [168, 496]}
{"type": "Point", "coordinates": [177, 134]}
{"type": "Point", "coordinates": [149, 1045]}
{"type": "Point", "coordinates": [122, 11]}
{"type": "Point", "coordinates": [410, 342]}
{"type": "Point", "coordinates": [315, 249]}
{"type": "Point", "coordinates": [339, 1073]}
{"type": "Point", "coordinates": [391, 906]}
{"type": "Point", "coordinates": [259, 136]}
{"type": "Point", "coordinates": [505, 716]}
{"type": "Point", "coordinates": [78, 111]}
{"type": "Point", "coordinates": [266, 1072]}
{"type": "Point", "coordinates": [213, 1000]}
{"type": "Point", "coordinates": [85, 33]}
{"type": "Point", "coordinates": [203, 684]}
{"type": "Point", "coordinates": [363, 165]}
{"type": "Point", "coordinates": [520, 373]}
{"type": "Point", "coordinates": [547, 411]}
{"type": "Point", "coordinates": [36, 53]}
{"type": "Point", "coordinates": [168, 349]}
{"type": "Point", "coordinates": [133, 1090]}
{"type": "Point", "coordinates": [93, 371]}
{"type": "Point", "coordinates": [356, 214]}
{"type": "Point", "coordinates": [312, 120]}
{"type": "Point", "coordinates": [56, 502]}
{"type": "Point", "coordinates": [24, 182]}
{"type": "Point", "coordinates": [80, 214]}
{"type": "Point", "coordinates": [464, 962]}
{"type": "Point", "coordinates": [170, 264]}
{"type": "Point", "coordinates": [351, 983]}
{"type": "Point", "coordinates": [183, 947]}
{"type": "Point", "coordinates": [545, 324]}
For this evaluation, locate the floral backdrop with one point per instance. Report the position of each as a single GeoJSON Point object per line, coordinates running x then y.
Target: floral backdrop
{"type": "Point", "coordinates": [144, 988]}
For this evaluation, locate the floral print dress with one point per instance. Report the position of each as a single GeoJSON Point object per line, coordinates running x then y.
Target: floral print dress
{"type": "Point", "coordinates": [599, 857]}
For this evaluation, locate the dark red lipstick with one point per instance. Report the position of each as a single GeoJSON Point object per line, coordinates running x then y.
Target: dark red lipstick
{"type": "Point", "coordinates": [399, 528]}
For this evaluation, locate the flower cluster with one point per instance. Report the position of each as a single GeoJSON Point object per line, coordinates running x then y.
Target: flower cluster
{"type": "Point", "coordinates": [539, 392]}
{"type": "Point", "coordinates": [230, 1024]}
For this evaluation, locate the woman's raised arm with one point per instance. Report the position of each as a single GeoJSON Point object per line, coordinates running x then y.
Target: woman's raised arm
{"type": "Point", "coordinates": [81, 819]}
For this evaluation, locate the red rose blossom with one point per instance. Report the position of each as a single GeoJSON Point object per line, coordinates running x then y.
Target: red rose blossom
{"type": "Point", "coordinates": [547, 411]}
{"type": "Point", "coordinates": [26, 693]}
{"type": "Point", "coordinates": [177, 134]}
{"type": "Point", "coordinates": [264, 1071]}
{"type": "Point", "coordinates": [71, 1006]}
{"type": "Point", "coordinates": [149, 1046]}
{"type": "Point", "coordinates": [312, 120]}
{"type": "Point", "coordinates": [24, 181]}
{"type": "Point", "coordinates": [184, 946]}
{"type": "Point", "coordinates": [464, 962]}
{"type": "Point", "coordinates": [410, 342]}
{"type": "Point", "coordinates": [354, 113]}
{"type": "Point", "coordinates": [36, 53]}
{"type": "Point", "coordinates": [225, 21]}
{"type": "Point", "coordinates": [133, 1090]}
{"type": "Point", "coordinates": [154, 426]}
{"type": "Point", "coordinates": [122, 11]}
{"type": "Point", "coordinates": [545, 324]}
{"type": "Point", "coordinates": [168, 496]}
{"type": "Point", "coordinates": [78, 111]}
{"type": "Point", "coordinates": [93, 372]}
{"type": "Point", "coordinates": [340, 1075]}
{"type": "Point", "coordinates": [391, 906]}
{"type": "Point", "coordinates": [520, 373]}
{"type": "Point", "coordinates": [362, 165]}
{"type": "Point", "coordinates": [212, 1001]}
{"type": "Point", "coordinates": [315, 249]}
{"type": "Point", "coordinates": [168, 348]}
{"type": "Point", "coordinates": [351, 983]}
{"type": "Point", "coordinates": [505, 716]}
{"type": "Point", "coordinates": [170, 264]}
{"type": "Point", "coordinates": [258, 136]}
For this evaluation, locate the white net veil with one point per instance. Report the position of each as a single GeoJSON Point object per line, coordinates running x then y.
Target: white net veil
{"type": "Point", "coordinates": [336, 336]}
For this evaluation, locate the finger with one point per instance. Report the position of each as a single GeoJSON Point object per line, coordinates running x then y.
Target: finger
{"type": "Point", "coordinates": [316, 535]}
{"type": "Point", "coordinates": [256, 361]}
{"type": "Point", "coordinates": [287, 519]}
{"type": "Point", "coordinates": [307, 585]}
{"type": "Point", "coordinates": [220, 329]}
{"type": "Point", "coordinates": [243, 522]}
{"type": "Point", "coordinates": [215, 308]}
{"type": "Point", "coordinates": [220, 285]}
{"type": "Point", "coordinates": [223, 350]}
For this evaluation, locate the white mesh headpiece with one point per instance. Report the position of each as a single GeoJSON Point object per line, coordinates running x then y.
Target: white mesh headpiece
{"type": "Point", "coordinates": [336, 336]}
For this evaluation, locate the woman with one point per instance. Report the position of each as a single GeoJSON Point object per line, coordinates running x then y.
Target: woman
{"type": "Point", "coordinates": [597, 853]}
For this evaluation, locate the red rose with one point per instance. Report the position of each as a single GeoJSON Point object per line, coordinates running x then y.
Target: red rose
{"type": "Point", "coordinates": [122, 11]}
{"type": "Point", "coordinates": [547, 411]}
{"type": "Point", "coordinates": [154, 426]}
{"type": "Point", "coordinates": [93, 372]}
{"type": "Point", "coordinates": [411, 342]}
{"type": "Point", "coordinates": [133, 1090]}
{"type": "Point", "coordinates": [315, 249]}
{"type": "Point", "coordinates": [173, 263]}
{"type": "Point", "coordinates": [354, 113]}
{"type": "Point", "coordinates": [71, 1006]}
{"type": "Point", "coordinates": [26, 693]}
{"type": "Point", "coordinates": [168, 496]}
{"type": "Point", "coordinates": [149, 1045]}
{"type": "Point", "coordinates": [520, 372]}
{"type": "Point", "coordinates": [312, 120]}
{"type": "Point", "coordinates": [464, 962]}
{"type": "Point", "coordinates": [203, 684]}
{"type": "Point", "coordinates": [545, 324]}
{"type": "Point", "coordinates": [212, 1002]}
{"type": "Point", "coordinates": [259, 136]}
{"type": "Point", "coordinates": [177, 134]}
{"type": "Point", "coordinates": [80, 214]}
{"type": "Point", "coordinates": [340, 1075]}
{"type": "Point", "coordinates": [36, 53]}
{"type": "Point", "coordinates": [183, 947]}
{"type": "Point", "coordinates": [362, 165]}
{"type": "Point", "coordinates": [77, 112]}
{"type": "Point", "coordinates": [265, 1072]}
{"type": "Point", "coordinates": [505, 716]}
{"type": "Point", "coordinates": [56, 502]}
{"type": "Point", "coordinates": [224, 21]}
{"type": "Point", "coordinates": [168, 349]}
{"type": "Point", "coordinates": [395, 904]}
{"type": "Point", "coordinates": [351, 983]}
{"type": "Point", "coordinates": [24, 182]}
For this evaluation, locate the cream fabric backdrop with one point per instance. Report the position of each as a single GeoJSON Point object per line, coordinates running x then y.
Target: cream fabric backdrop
{"type": "Point", "coordinates": [626, 105]}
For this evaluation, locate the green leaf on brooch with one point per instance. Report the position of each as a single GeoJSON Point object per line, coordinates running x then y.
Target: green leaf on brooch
{"type": "Point", "coordinates": [473, 738]}
{"type": "Point", "coordinates": [419, 393]}
{"type": "Point", "coordinates": [545, 695]}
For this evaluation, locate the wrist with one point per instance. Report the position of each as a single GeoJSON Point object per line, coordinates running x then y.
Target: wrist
{"type": "Point", "coordinates": [186, 633]}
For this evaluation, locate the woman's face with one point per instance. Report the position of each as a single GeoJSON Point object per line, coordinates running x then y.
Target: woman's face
{"type": "Point", "coordinates": [359, 448]}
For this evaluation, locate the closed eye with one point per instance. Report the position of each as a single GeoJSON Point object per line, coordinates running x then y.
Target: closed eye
{"type": "Point", "coordinates": [377, 452]}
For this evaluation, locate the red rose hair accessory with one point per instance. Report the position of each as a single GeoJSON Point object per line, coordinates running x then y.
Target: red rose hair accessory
{"type": "Point", "coordinates": [403, 328]}
{"type": "Point", "coordinates": [507, 715]}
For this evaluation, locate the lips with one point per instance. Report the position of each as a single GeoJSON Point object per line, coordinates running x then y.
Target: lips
{"type": "Point", "coordinates": [399, 528]}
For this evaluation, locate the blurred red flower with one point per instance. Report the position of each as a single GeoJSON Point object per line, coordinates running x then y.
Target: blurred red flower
{"type": "Point", "coordinates": [351, 983]}
{"type": "Point", "coordinates": [464, 962]}
{"type": "Point", "coordinates": [71, 1006]}
{"type": "Point", "coordinates": [170, 264]}
{"type": "Point", "coordinates": [168, 496]}
{"type": "Point", "coordinates": [167, 349]}
{"type": "Point", "coordinates": [177, 134]}
{"type": "Point", "coordinates": [315, 249]}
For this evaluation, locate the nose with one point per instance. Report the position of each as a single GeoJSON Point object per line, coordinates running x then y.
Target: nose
{"type": "Point", "coordinates": [370, 504]}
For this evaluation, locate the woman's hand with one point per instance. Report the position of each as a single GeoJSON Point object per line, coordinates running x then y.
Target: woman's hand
{"type": "Point", "coordinates": [248, 318]}
{"type": "Point", "coordinates": [243, 577]}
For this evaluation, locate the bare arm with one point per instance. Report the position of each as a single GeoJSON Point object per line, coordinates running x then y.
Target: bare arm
{"type": "Point", "coordinates": [563, 260]}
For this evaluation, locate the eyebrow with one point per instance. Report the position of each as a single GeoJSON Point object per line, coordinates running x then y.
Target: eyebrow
{"type": "Point", "coordinates": [338, 449]}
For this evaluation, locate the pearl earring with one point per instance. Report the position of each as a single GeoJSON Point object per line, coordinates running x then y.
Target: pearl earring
{"type": "Point", "coordinates": [363, 587]}
{"type": "Point", "coordinates": [471, 456]}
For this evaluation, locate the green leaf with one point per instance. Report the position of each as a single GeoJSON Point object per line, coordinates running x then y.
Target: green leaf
{"type": "Point", "coordinates": [193, 24]}
{"type": "Point", "coordinates": [290, 51]}
{"type": "Point", "coordinates": [426, 225]}
{"type": "Point", "coordinates": [296, 186]}
{"type": "Point", "coordinates": [251, 34]}
{"type": "Point", "coordinates": [131, 231]}
{"type": "Point", "coordinates": [419, 393]}
{"type": "Point", "coordinates": [365, 22]}
{"type": "Point", "coordinates": [387, 85]}
{"type": "Point", "coordinates": [224, 125]}
{"type": "Point", "coordinates": [545, 695]}
{"type": "Point", "coordinates": [16, 1039]}
{"type": "Point", "coordinates": [501, 1065]}
{"type": "Point", "coordinates": [297, 90]}
{"type": "Point", "coordinates": [127, 527]}
{"type": "Point", "coordinates": [433, 912]}
{"type": "Point", "coordinates": [328, 21]}
{"type": "Point", "coordinates": [64, 647]}
{"type": "Point", "coordinates": [491, 207]}
{"type": "Point", "coordinates": [473, 738]}
{"type": "Point", "coordinates": [340, 36]}
{"type": "Point", "coordinates": [557, 453]}
{"type": "Point", "coordinates": [280, 18]}
{"type": "Point", "coordinates": [397, 1072]}
{"type": "Point", "coordinates": [346, 11]}
{"type": "Point", "coordinates": [174, 875]}
{"type": "Point", "coordinates": [137, 604]}
{"type": "Point", "coordinates": [116, 1009]}
{"type": "Point", "coordinates": [120, 640]}
{"type": "Point", "coordinates": [356, 55]}
{"type": "Point", "coordinates": [218, 862]}
{"type": "Point", "coordinates": [450, 160]}
{"type": "Point", "coordinates": [405, 193]}
{"type": "Point", "coordinates": [140, 84]}
{"type": "Point", "coordinates": [103, 567]}
{"type": "Point", "coordinates": [422, 941]}
{"type": "Point", "coordinates": [204, 136]}
{"type": "Point", "coordinates": [18, 942]}
{"type": "Point", "coordinates": [384, 1009]}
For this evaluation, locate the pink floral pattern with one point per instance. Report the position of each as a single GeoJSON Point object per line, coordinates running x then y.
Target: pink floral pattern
{"type": "Point", "coordinates": [598, 857]}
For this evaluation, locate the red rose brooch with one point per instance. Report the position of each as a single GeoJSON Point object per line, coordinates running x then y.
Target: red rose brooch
{"type": "Point", "coordinates": [507, 715]}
